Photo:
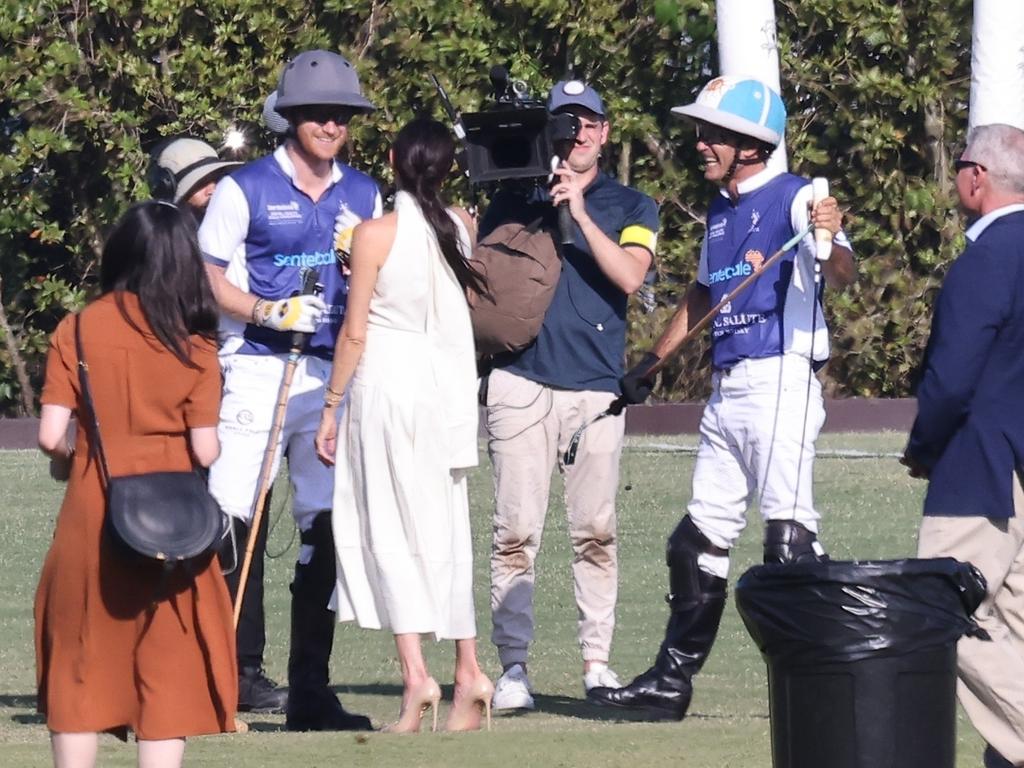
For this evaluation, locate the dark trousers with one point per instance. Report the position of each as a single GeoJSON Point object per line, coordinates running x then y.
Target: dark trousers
{"type": "Point", "coordinates": [312, 635]}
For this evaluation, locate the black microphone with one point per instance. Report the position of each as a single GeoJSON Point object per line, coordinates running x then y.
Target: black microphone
{"type": "Point", "coordinates": [566, 229]}
{"type": "Point", "coordinates": [563, 128]}
{"type": "Point", "coordinates": [499, 77]}
{"type": "Point", "coordinates": [310, 286]}
{"type": "Point", "coordinates": [565, 223]}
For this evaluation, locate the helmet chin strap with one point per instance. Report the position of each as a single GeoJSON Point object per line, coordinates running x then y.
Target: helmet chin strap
{"type": "Point", "coordinates": [732, 167]}
{"type": "Point", "coordinates": [736, 162]}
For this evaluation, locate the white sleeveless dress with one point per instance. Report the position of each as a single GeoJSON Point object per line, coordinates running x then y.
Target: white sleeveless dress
{"type": "Point", "coordinates": [407, 435]}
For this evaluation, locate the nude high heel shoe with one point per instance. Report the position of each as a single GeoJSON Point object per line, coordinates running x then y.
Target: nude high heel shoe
{"type": "Point", "coordinates": [464, 714]}
{"type": "Point", "coordinates": [424, 696]}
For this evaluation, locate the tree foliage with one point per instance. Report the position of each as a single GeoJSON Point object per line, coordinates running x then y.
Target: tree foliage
{"type": "Point", "coordinates": [877, 94]}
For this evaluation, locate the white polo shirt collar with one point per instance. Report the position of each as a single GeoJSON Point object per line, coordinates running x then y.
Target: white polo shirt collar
{"type": "Point", "coordinates": [975, 230]}
{"type": "Point", "coordinates": [283, 160]}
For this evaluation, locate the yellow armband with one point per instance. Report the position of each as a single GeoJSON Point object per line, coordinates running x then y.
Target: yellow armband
{"type": "Point", "coordinates": [634, 234]}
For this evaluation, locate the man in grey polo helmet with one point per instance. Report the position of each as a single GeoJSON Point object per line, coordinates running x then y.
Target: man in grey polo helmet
{"type": "Point", "coordinates": [267, 223]}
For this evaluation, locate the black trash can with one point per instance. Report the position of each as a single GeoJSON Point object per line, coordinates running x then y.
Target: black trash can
{"type": "Point", "coordinates": [861, 658]}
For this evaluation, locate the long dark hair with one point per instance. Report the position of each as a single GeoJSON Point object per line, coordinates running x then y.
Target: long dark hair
{"type": "Point", "coordinates": [153, 253]}
{"type": "Point", "coordinates": [423, 154]}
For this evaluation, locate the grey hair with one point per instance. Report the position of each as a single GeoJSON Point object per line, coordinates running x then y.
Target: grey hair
{"type": "Point", "coordinates": [1000, 148]}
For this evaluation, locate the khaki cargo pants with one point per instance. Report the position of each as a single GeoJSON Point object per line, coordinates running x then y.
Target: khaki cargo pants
{"type": "Point", "coordinates": [529, 427]}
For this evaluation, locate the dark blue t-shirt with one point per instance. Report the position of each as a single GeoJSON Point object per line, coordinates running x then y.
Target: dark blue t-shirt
{"type": "Point", "coordinates": [582, 341]}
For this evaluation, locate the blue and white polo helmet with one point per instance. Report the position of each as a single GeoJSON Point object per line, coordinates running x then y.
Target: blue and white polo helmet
{"type": "Point", "coordinates": [741, 104]}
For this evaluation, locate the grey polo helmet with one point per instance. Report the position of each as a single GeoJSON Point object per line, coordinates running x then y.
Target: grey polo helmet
{"type": "Point", "coordinates": [274, 121]}
{"type": "Point", "coordinates": [320, 77]}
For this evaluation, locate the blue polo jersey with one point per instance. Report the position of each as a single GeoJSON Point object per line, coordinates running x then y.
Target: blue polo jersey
{"type": "Point", "coordinates": [740, 237]}
{"type": "Point", "coordinates": [582, 341]}
{"type": "Point", "coordinates": [289, 232]}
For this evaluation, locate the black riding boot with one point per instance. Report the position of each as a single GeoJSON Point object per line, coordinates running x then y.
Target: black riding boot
{"type": "Point", "coordinates": [256, 691]}
{"type": "Point", "coordinates": [697, 601]}
{"type": "Point", "coordinates": [786, 541]}
{"type": "Point", "coordinates": [312, 706]}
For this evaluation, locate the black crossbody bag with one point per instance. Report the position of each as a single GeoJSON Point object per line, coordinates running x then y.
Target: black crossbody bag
{"type": "Point", "coordinates": [169, 517]}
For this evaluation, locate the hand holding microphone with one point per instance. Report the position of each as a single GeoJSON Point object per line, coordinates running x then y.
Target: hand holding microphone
{"type": "Point", "coordinates": [567, 195]}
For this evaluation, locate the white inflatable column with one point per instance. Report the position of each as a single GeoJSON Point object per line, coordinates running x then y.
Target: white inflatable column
{"type": "Point", "coordinates": [747, 45]}
{"type": "Point", "coordinates": [997, 63]}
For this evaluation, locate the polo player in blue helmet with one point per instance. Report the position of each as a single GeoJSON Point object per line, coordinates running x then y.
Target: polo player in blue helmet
{"type": "Point", "coordinates": [759, 427]}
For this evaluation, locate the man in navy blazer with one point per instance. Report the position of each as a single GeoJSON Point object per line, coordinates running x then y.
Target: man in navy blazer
{"type": "Point", "coordinates": [968, 438]}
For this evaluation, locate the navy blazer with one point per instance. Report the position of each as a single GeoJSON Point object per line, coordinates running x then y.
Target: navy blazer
{"type": "Point", "coordinates": [969, 429]}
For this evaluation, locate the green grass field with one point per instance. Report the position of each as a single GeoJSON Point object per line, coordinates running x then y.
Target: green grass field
{"type": "Point", "coordinates": [871, 510]}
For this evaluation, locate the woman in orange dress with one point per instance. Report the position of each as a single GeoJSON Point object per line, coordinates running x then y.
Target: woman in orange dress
{"type": "Point", "coordinates": [117, 648]}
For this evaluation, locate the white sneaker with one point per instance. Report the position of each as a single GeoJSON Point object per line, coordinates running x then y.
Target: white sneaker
{"type": "Point", "coordinates": [600, 676]}
{"type": "Point", "coordinates": [512, 691]}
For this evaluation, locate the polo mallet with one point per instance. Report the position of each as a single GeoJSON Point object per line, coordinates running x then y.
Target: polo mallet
{"type": "Point", "coordinates": [309, 285]}
{"type": "Point", "coordinates": [619, 403]}
{"type": "Point", "coordinates": [747, 282]}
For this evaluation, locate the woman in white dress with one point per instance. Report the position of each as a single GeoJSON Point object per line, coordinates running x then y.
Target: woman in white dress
{"type": "Point", "coordinates": [409, 431]}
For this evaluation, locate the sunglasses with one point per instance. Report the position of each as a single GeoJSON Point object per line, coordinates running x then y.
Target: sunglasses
{"type": "Point", "coordinates": [323, 114]}
{"type": "Point", "coordinates": [712, 134]}
{"type": "Point", "coordinates": [960, 164]}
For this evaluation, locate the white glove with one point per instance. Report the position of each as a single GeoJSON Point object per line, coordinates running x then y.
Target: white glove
{"type": "Point", "coordinates": [345, 222]}
{"type": "Point", "coordinates": [299, 313]}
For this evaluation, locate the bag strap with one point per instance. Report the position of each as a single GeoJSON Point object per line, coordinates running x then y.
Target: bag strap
{"type": "Point", "coordinates": [93, 419]}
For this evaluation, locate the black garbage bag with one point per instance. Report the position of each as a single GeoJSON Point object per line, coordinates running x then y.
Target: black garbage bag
{"type": "Point", "coordinates": [861, 658]}
{"type": "Point", "coordinates": [816, 613]}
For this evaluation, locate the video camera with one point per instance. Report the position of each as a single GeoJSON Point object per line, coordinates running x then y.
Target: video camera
{"type": "Point", "coordinates": [516, 138]}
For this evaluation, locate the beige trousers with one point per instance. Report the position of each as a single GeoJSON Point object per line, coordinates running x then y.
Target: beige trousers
{"type": "Point", "coordinates": [991, 674]}
{"type": "Point", "coordinates": [529, 427]}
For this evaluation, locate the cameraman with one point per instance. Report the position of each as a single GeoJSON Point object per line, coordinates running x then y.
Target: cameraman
{"type": "Point", "coordinates": [536, 399]}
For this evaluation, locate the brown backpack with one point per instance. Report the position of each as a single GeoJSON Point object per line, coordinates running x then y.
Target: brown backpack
{"type": "Point", "coordinates": [521, 265]}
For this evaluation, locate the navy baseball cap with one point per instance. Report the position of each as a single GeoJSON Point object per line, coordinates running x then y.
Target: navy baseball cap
{"type": "Point", "coordinates": [568, 93]}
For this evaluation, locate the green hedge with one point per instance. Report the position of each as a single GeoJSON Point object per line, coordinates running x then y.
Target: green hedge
{"type": "Point", "coordinates": [877, 95]}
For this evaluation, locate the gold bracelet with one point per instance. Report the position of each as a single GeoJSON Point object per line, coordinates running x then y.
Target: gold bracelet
{"type": "Point", "coordinates": [257, 312]}
{"type": "Point", "coordinates": [332, 399]}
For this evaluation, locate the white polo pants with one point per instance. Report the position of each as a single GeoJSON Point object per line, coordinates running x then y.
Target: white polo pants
{"type": "Point", "coordinates": [757, 439]}
{"type": "Point", "coordinates": [251, 387]}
